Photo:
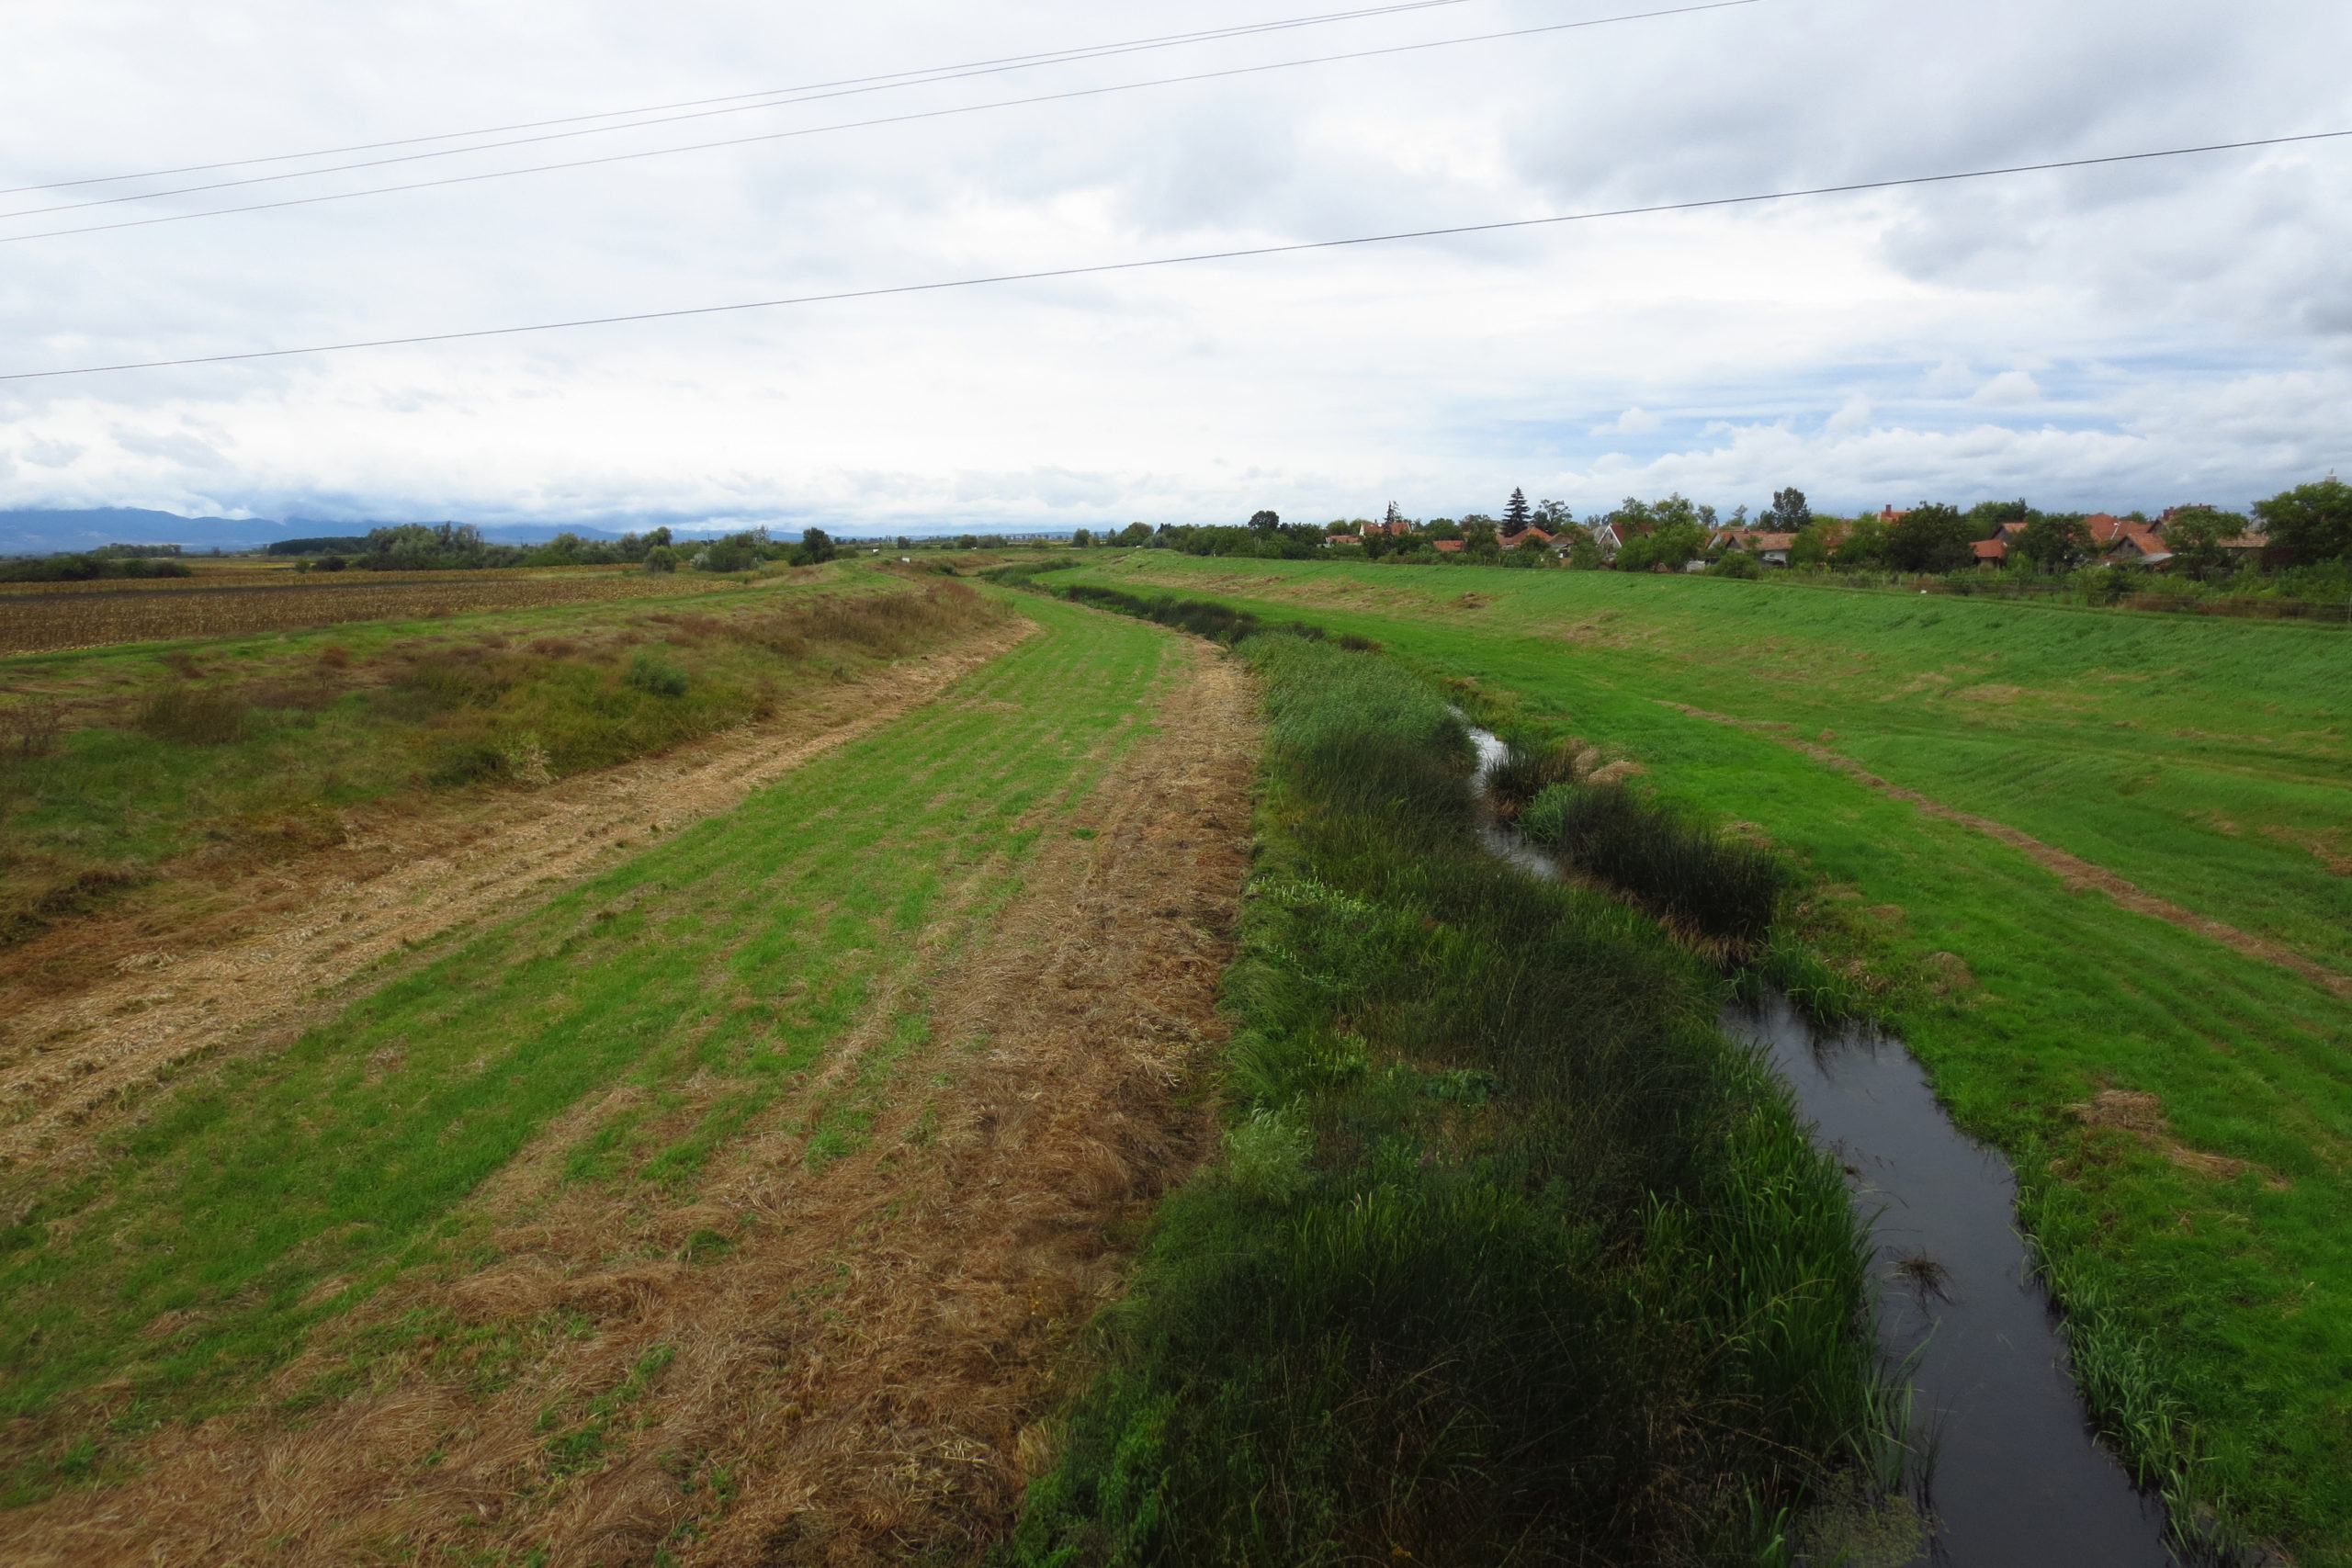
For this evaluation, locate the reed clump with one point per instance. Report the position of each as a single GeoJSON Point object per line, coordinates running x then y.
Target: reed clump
{"type": "Point", "coordinates": [1714, 890]}
{"type": "Point", "coordinates": [1511, 1255]}
{"type": "Point", "coordinates": [196, 716]}
{"type": "Point", "coordinates": [1202, 617]}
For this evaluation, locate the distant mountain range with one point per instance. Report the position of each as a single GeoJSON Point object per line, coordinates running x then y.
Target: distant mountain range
{"type": "Point", "coordinates": [38, 532]}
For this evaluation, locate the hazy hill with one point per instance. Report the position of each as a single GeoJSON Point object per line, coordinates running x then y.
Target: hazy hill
{"type": "Point", "coordinates": [37, 532]}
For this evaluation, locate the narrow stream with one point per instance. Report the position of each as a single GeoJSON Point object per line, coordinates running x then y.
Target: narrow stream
{"type": "Point", "coordinates": [2014, 1478]}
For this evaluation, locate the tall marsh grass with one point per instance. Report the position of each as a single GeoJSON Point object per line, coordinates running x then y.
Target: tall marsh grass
{"type": "Point", "coordinates": [1711, 887]}
{"type": "Point", "coordinates": [1512, 1256]}
{"type": "Point", "coordinates": [1203, 617]}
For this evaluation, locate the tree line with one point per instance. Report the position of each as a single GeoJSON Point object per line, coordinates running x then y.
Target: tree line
{"type": "Point", "coordinates": [2306, 527]}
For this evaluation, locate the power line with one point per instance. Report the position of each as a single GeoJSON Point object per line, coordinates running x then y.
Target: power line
{"type": "Point", "coordinates": [1100, 267]}
{"type": "Point", "coordinates": [906, 119]}
{"type": "Point", "coordinates": [783, 96]}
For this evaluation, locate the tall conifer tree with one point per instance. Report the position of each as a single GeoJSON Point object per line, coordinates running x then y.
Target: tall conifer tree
{"type": "Point", "coordinates": [1515, 513]}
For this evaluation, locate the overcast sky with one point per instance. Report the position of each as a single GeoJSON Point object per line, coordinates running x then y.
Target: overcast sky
{"type": "Point", "coordinates": [2111, 337]}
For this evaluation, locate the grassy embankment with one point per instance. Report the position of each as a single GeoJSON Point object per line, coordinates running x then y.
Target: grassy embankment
{"type": "Point", "coordinates": [1510, 1252]}
{"type": "Point", "coordinates": [195, 759]}
{"type": "Point", "coordinates": [2203, 761]}
{"type": "Point", "coordinates": [254, 1202]}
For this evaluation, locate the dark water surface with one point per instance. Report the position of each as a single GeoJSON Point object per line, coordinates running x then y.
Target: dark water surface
{"type": "Point", "coordinates": [2013, 1477]}
{"type": "Point", "coordinates": [2015, 1480]}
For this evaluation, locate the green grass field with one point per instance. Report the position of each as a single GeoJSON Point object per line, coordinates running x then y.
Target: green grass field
{"type": "Point", "coordinates": [246, 749]}
{"type": "Point", "coordinates": [715, 972]}
{"type": "Point", "coordinates": [1511, 1255]}
{"type": "Point", "coordinates": [2204, 761]}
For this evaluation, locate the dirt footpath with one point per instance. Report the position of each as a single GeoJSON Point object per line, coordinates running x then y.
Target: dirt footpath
{"type": "Point", "coordinates": [281, 952]}
{"type": "Point", "coordinates": [855, 1375]}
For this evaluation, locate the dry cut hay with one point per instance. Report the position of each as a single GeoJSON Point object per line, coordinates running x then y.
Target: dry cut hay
{"type": "Point", "coordinates": [855, 1371]}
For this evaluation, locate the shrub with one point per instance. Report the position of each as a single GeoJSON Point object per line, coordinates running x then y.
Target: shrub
{"type": "Point", "coordinates": [31, 728]}
{"type": "Point", "coordinates": [660, 557]}
{"type": "Point", "coordinates": [194, 716]}
{"type": "Point", "coordinates": [1524, 774]}
{"type": "Point", "coordinates": [1707, 887]}
{"type": "Point", "coordinates": [647, 674]}
{"type": "Point", "coordinates": [1739, 564]}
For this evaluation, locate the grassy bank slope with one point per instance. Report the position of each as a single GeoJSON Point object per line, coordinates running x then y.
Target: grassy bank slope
{"type": "Point", "coordinates": [197, 760]}
{"type": "Point", "coordinates": [714, 975]}
{"type": "Point", "coordinates": [2208, 761]}
{"type": "Point", "coordinates": [1511, 1257]}
{"type": "Point", "coordinates": [2225, 1283]}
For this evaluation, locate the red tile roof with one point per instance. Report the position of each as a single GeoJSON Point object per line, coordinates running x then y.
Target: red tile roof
{"type": "Point", "coordinates": [1447, 547]}
{"type": "Point", "coordinates": [1992, 549]}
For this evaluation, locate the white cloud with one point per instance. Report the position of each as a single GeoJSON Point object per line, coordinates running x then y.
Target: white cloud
{"type": "Point", "coordinates": [2008, 389]}
{"type": "Point", "coordinates": [1950, 379]}
{"type": "Point", "coordinates": [2187, 324]}
{"type": "Point", "coordinates": [1633, 421]}
{"type": "Point", "coordinates": [50, 454]}
{"type": "Point", "coordinates": [1854, 413]}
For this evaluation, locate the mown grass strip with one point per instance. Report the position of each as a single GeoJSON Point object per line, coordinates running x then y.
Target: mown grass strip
{"type": "Point", "coordinates": [1511, 1255]}
{"type": "Point", "coordinates": [709, 975]}
{"type": "Point", "coordinates": [2223, 1294]}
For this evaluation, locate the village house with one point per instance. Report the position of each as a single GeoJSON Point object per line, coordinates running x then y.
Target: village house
{"type": "Point", "coordinates": [2133, 543]}
{"type": "Point", "coordinates": [1771, 549]}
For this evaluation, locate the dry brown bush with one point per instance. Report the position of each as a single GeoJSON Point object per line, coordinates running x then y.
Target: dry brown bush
{"type": "Point", "coordinates": [884, 625]}
{"type": "Point", "coordinates": [194, 716]}
{"type": "Point", "coordinates": [31, 728]}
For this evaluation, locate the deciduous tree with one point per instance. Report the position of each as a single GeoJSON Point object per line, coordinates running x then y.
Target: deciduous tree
{"type": "Point", "coordinates": [2313, 522]}
{"type": "Point", "coordinates": [2056, 541]}
{"type": "Point", "coordinates": [2195, 536]}
{"type": "Point", "coordinates": [1929, 537]}
{"type": "Point", "coordinates": [1791, 513]}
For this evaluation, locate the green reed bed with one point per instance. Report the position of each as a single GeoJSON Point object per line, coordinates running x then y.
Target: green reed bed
{"type": "Point", "coordinates": [1511, 1255]}
{"type": "Point", "coordinates": [1717, 890]}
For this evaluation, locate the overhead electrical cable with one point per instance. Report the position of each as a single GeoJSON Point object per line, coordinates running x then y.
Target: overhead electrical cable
{"type": "Point", "coordinates": [776, 99]}
{"type": "Point", "coordinates": [910, 117]}
{"type": "Point", "coordinates": [783, 95]}
{"type": "Point", "coordinates": [1100, 268]}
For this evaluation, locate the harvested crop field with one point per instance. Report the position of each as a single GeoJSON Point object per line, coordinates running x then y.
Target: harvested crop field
{"type": "Point", "coordinates": [738, 1205]}
{"type": "Point", "coordinates": [98, 614]}
{"type": "Point", "coordinates": [140, 785]}
{"type": "Point", "coordinates": [254, 969]}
